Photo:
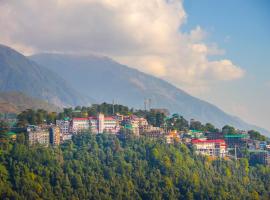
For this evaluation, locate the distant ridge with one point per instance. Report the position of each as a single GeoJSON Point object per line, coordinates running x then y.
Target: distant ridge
{"type": "Point", "coordinates": [18, 73]}
{"type": "Point", "coordinates": [15, 102]}
{"type": "Point", "coordinates": [105, 80]}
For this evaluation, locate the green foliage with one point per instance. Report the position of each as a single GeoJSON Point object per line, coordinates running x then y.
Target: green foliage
{"type": "Point", "coordinates": [210, 128]}
{"type": "Point", "coordinates": [177, 122]}
{"type": "Point", "coordinates": [228, 130]}
{"type": "Point", "coordinates": [35, 117]}
{"type": "Point", "coordinates": [107, 167]}
{"type": "Point", "coordinates": [255, 135]}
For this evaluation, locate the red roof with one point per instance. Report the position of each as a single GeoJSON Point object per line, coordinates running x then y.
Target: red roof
{"type": "Point", "coordinates": [207, 141]}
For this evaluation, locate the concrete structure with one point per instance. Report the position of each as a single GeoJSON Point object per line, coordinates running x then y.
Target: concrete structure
{"type": "Point", "coordinates": [99, 124]}
{"type": "Point", "coordinates": [172, 137]}
{"type": "Point", "coordinates": [151, 131]}
{"type": "Point", "coordinates": [64, 126]}
{"type": "Point", "coordinates": [214, 148]}
{"type": "Point", "coordinates": [54, 135]}
{"type": "Point", "coordinates": [37, 135]}
{"type": "Point", "coordinates": [214, 136]}
{"type": "Point", "coordinates": [236, 140]}
{"type": "Point", "coordinates": [134, 124]}
{"type": "Point", "coordinates": [259, 157]}
{"type": "Point", "coordinates": [80, 125]}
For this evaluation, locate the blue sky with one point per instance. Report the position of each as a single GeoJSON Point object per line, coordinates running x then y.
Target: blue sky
{"type": "Point", "coordinates": [242, 29]}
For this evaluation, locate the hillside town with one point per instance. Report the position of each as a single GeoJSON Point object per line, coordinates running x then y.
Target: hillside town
{"type": "Point", "coordinates": [214, 144]}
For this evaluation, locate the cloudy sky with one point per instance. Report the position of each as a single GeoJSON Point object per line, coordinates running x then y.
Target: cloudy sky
{"type": "Point", "coordinates": [218, 51]}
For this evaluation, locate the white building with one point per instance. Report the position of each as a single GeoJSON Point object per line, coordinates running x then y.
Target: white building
{"type": "Point", "coordinates": [37, 135]}
{"type": "Point", "coordinates": [99, 124]}
{"type": "Point", "coordinates": [214, 148]}
{"type": "Point", "coordinates": [80, 124]}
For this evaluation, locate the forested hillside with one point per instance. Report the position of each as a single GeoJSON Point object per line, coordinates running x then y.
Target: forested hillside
{"type": "Point", "coordinates": [15, 102]}
{"type": "Point", "coordinates": [109, 167]}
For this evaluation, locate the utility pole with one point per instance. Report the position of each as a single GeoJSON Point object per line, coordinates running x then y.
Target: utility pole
{"type": "Point", "coordinates": [235, 154]}
{"type": "Point", "coordinates": [113, 106]}
{"type": "Point", "coordinates": [145, 104]}
{"type": "Point", "coordinates": [149, 101]}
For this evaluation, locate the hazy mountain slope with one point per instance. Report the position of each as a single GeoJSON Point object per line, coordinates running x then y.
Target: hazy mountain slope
{"type": "Point", "coordinates": [105, 80]}
{"type": "Point", "coordinates": [18, 73]}
{"type": "Point", "coordinates": [14, 102]}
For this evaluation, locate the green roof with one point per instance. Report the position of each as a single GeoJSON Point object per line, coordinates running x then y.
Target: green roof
{"type": "Point", "coordinates": [128, 126]}
{"type": "Point", "coordinates": [258, 151]}
{"type": "Point", "coordinates": [195, 131]}
{"type": "Point", "coordinates": [235, 136]}
{"type": "Point", "coordinates": [11, 133]}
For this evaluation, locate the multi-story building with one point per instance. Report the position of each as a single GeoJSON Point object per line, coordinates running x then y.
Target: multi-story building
{"type": "Point", "coordinates": [37, 135]}
{"type": "Point", "coordinates": [151, 131]}
{"type": "Point", "coordinates": [134, 124]}
{"type": "Point", "coordinates": [54, 135]}
{"type": "Point", "coordinates": [236, 140]}
{"type": "Point", "coordinates": [172, 137]}
{"type": "Point", "coordinates": [214, 148]}
{"type": "Point", "coordinates": [64, 126]}
{"type": "Point", "coordinates": [214, 136]}
{"type": "Point", "coordinates": [99, 124]}
{"type": "Point", "coordinates": [80, 125]}
{"type": "Point", "coordinates": [259, 157]}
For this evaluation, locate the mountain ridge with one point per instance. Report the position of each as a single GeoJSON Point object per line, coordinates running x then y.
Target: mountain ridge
{"type": "Point", "coordinates": [110, 81]}
{"type": "Point", "coordinates": [15, 102]}
{"type": "Point", "coordinates": [18, 73]}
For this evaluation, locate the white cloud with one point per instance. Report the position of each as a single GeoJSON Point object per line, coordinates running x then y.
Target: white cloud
{"type": "Point", "coordinates": [143, 34]}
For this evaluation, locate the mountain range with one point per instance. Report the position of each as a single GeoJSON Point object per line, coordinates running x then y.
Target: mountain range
{"type": "Point", "coordinates": [70, 80]}
{"type": "Point", "coordinates": [18, 73]}
{"type": "Point", "coordinates": [104, 79]}
{"type": "Point", "coordinates": [15, 102]}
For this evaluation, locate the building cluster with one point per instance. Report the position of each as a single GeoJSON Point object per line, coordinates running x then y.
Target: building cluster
{"type": "Point", "coordinates": [64, 129]}
{"type": "Point", "coordinates": [227, 145]}
{"type": "Point", "coordinates": [205, 143]}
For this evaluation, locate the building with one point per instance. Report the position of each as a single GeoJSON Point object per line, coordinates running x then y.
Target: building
{"type": "Point", "coordinates": [64, 126]}
{"type": "Point", "coordinates": [151, 131]}
{"type": "Point", "coordinates": [80, 124]}
{"type": "Point", "coordinates": [214, 136]}
{"type": "Point", "coordinates": [196, 134]}
{"type": "Point", "coordinates": [37, 135]}
{"type": "Point", "coordinates": [54, 135]}
{"type": "Point", "coordinates": [134, 124]}
{"type": "Point", "coordinates": [172, 137]}
{"type": "Point", "coordinates": [99, 124]}
{"type": "Point", "coordinates": [236, 140]}
{"type": "Point", "coordinates": [259, 157]}
{"type": "Point", "coordinates": [214, 148]}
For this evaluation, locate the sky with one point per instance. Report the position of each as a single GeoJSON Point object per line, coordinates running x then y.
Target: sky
{"type": "Point", "coordinates": [215, 50]}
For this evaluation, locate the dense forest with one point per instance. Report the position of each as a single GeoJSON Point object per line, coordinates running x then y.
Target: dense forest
{"type": "Point", "coordinates": [122, 167]}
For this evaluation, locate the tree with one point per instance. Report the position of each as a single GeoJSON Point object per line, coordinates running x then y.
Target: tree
{"type": "Point", "coordinates": [228, 130]}
{"type": "Point", "coordinates": [210, 128]}
{"type": "Point", "coordinates": [3, 130]}
{"type": "Point", "coordinates": [255, 135]}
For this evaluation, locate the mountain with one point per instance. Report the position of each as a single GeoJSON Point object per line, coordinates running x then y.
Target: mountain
{"type": "Point", "coordinates": [18, 73]}
{"type": "Point", "coordinates": [15, 102]}
{"type": "Point", "coordinates": [106, 80]}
